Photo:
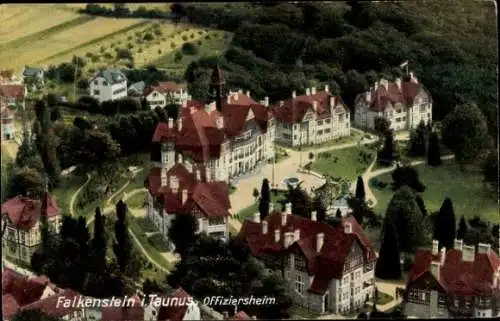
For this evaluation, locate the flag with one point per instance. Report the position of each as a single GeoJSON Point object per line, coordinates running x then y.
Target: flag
{"type": "Point", "coordinates": [404, 64]}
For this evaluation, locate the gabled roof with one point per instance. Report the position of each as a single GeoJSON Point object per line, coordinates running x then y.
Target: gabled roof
{"type": "Point", "coordinates": [242, 316]}
{"type": "Point", "coordinates": [293, 110]}
{"type": "Point", "coordinates": [13, 91]}
{"type": "Point", "coordinates": [211, 198]}
{"type": "Point", "coordinates": [326, 265]}
{"type": "Point", "coordinates": [112, 75]}
{"type": "Point", "coordinates": [175, 313]}
{"type": "Point", "coordinates": [138, 87]}
{"type": "Point", "coordinates": [50, 306]}
{"type": "Point", "coordinates": [457, 276]}
{"type": "Point", "coordinates": [165, 87]}
{"type": "Point", "coordinates": [380, 96]}
{"type": "Point", "coordinates": [24, 213]}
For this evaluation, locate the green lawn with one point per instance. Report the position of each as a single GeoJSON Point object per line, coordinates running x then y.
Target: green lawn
{"type": "Point", "coordinates": [384, 298]}
{"type": "Point", "coordinates": [140, 233]}
{"type": "Point", "coordinates": [347, 163]}
{"type": "Point", "coordinates": [249, 211]}
{"type": "Point", "coordinates": [137, 200]}
{"type": "Point", "coordinates": [69, 185]}
{"type": "Point", "coordinates": [470, 195]}
{"type": "Point", "coordinates": [280, 154]}
{"type": "Point", "coordinates": [302, 313]}
{"type": "Point", "coordinates": [353, 138]}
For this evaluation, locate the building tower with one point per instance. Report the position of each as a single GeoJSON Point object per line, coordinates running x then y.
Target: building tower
{"type": "Point", "coordinates": [216, 83]}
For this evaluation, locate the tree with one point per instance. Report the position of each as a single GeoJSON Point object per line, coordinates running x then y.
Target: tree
{"type": "Point", "coordinates": [27, 182]}
{"type": "Point", "coordinates": [445, 225]}
{"type": "Point", "coordinates": [421, 204]}
{"type": "Point", "coordinates": [463, 229]}
{"type": "Point", "coordinates": [434, 150]}
{"type": "Point", "coordinates": [97, 147]}
{"type": "Point", "coordinates": [381, 126]}
{"type": "Point", "coordinates": [338, 214]}
{"type": "Point", "coordinates": [389, 262]}
{"type": "Point", "coordinates": [490, 169]}
{"type": "Point", "coordinates": [418, 141]}
{"type": "Point", "coordinates": [33, 315]}
{"type": "Point", "coordinates": [98, 244]}
{"type": "Point", "coordinates": [407, 175]}
{"type": "Point", "coordinates": [465, 132]}
{"type": "Point", "coordinates": [360, 189]}
{"type": "Point", "coordinates": [388, 152]}
{"type": "Point", "coordinates": [182, 232]}
{"type": "Point", "coordinates": [122, 246]}
{"type": "Point", "coordinates": [404, 213]}
{"type": "Point", "coordinates": [265, 199]}
{"type": "Point", "coordinates": [302, 204]}
{"type": "Point", "coordinates": [255, 193]}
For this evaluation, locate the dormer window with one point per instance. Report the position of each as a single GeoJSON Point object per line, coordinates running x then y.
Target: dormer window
{"type": "Point", "coordinates": [105, 83]}
{"type": "Point", "coordinates": [96, 82]}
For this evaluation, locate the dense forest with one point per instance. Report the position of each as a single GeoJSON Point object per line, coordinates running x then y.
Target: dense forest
{"type": "Point", "coordinates": [277, 48]}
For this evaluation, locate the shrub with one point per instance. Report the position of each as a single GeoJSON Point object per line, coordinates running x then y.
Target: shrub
{"type": "Point", "coordinates": [130, 46]}
{"type": "Point", "coordinates": [200, 32]}
{"type": "Point", "coordinates": [140, 50]}
{"type": "Point", "coordinates": [123, 54]}
{"type": "Point", "coordinates": [207, 37]}
{"type": "Point", "coordinates": [184, 38]}
{"type": "Point", "coordinates": [112, 45]}
{"type": "Point", "coordinates": [129, 38]}
{"type": "Point", "coordinates": [172, 45]}
{"type": "Point", "coordinates": [89, 55]}
{"type": "Point", "coordinates": [192, 35]}
{"type": "Point", "coordinates": [103, 49]}
{"type": "Point", "coordinates": [107, 55]}
{"type": "Point", "coordinates": [159, 51]}
{"type": "Point", "coordinates": [189, 49]}
{"type": "Point", "coordinates": [226, 36]}
{"type": "Point", "coordinates": [178, 56]}
{"type": "Point", "coordinates": [158, 32]}
{"type": "Point", "coordinates": [148, 37]}
{"type": "Point", "coordinates": [199, 43]}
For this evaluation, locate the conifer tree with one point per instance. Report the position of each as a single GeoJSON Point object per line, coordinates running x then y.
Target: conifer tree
{"type": "Point", "coordinates": [339, 213]}
{"type": "Point", "coordinates": [418, 140]}
{"type": "Point", "coordinates": [265, 199]}
{"type": "Point", "coordinates": [434, 150]}
{"type": "Point", "coordinates": [445, 225]}
{"type": "Point", "coordinates": [360, 189]}
{"type": "Point", "coordinates": [388, 264]}
{"type": "Point", "coordinates": [462, 229]}
{"type": "Point", "coordinates": [98, 243]}
{"type": "Point", "coordinates": [122, 247]}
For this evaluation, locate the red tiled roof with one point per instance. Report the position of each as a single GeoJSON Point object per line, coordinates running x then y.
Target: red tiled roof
{"type": "Point", "coordinates": [19, 290]}
{"type": "Point", "coordinates": [457, 276]}
{"type": "Point", "coordinates": [13, 91]}
{"type": "Point", "coordinates": [24, 212]}
{"type": "Point", "coordinates": [294, 110]}
{"type": "Point", "coordinates": [163, 133]}
{"type": "Point", "coordinates": [381, 97]}
{"type": "Point", "coordinates": [172, 312]}
{"type": "Point", "coordinates": [133, 311]}
{"type": "Point", "coordinates": [326, 265]}
{"type": "Point", "coordinates": [211, 198]}
{"type": "Point", "coordinates": [165, 86]}
{"type": "Point", "coordinates": [49, 305]}
{"type": "Point", "coordinates": [242, 316]}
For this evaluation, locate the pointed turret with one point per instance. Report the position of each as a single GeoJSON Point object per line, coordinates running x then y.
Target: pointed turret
{"type": "Point", "coordinates": [216, 83]}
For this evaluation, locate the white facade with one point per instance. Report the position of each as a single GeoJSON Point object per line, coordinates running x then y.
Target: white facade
{"type": "Point", "coordinates": [103, 89]}
{"type": "Point", "coordinates": [400, 116]}
{"type": "Point", "coordinates": [158, 98]}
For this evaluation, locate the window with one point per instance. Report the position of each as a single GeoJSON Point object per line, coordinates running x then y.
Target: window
{"type": "Point", "coordinates": [299, 283]}
{"type": "Point", "coordinates": [398, 120]}
{"type": "Point", "coordinates": [404, 118]}
{"type": "Point", "coordinates": [155, 94]}
{"type": "Point", "coordinates": [97, 92]}
{"type": "Point", "coordinates": [423, 108]}
{"type": "Point", "coordinates": [398, 111]}
{"type": "Point", "coordinates": [327, 131]}
{"type": "Point", "coordinates": [105, 83]}
{"type": "Point", "coordinates": [96, 82]}
{"type": "Point", "coordinates": [428, 115]}
{"type": "Point", "coordinates": [320, 122]}
{"type": "Point", "coordinates": [320, 132]}
{"type": "Point", "coordinates": [341, 118]}
{"type": "Point", "coordinates": [22, 237]}
{"type": "Point", "coordinates": [418, 296]}
{"type": "Point", "coordinates": [216, 221]}
{"type": "Point", "coordinates": [327, 121]}
{"type": "Point", "coordinates": [300, 263]}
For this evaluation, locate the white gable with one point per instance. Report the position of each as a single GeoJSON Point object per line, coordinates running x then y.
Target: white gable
{"type": "Point", "coordinates": [250, 114]}
{"type": "Point", "coordinates": [152, 96]}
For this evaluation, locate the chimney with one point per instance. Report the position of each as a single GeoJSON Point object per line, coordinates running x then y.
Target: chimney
{"type": "Point", "coordinates": [442, 255]}
{"type": "Point", "coordinates": [484, 248]}
{"type": "Point", "coordinates": [313, 90]}
{"type": "Point", "coordinates": [198, 175]}
{"type": "Point", "coordinates": [266, 101]}
{"type": "Point", "coordinates": [347, 228]}
{"type": "Point", "coordinates": [179, 123]}
{"type": "Point", "coordinates": [163, 177]}
{"type": "Point", "coordinates": [276, 235]}
{"type": "Point", "coordinates": [332, 101]}
{"type": "Point", "coordinates": [184, 103]}
{"type": "Point", "coordinates": [375, 86]}
{"type": "Point", "coordinates": [435, 267]}
{"type": "Point", "coordinates": [179, 158]}
{"type": "Point", "coordinates": [398, 83]}
{"type": "Point", "coordinates": [281, 103]}
{"type": "Point", "coordinates": [288, 208]}
{"type": "Point", "coordinates": [229, 99]}
{"type": "Point", "coordinates": [247, 93]}
{"type": "Point", "coordinates": [296, 235]}
{"type": "Point", "coordinates": [271, 207]}
{"type": "Point", "coordinates": [254, 317]}
{"type": "Point", "coordinates": [207, 174]}
{"type": "Point", "coordinates": [413, 78]}
{"type": "Point", "coordinates": [320, 238]}
{"type": "Point", "coordinates": [327, 88]}
{"type": "Point", "coordinates": [368, 95]}
{"type": "Point", "coordinates": [240, 92]}
{"type": "Point", "coordinates": [308, 92]}
{"type": "Point", "coordinates": [294, 94]}
{"type": "Point", "coordinates": [458, 244]}
{"type": "Point", "coordinates": [385, 83]}
{"type": "Point", "coordinates": [468, 253]}
{"type": "Point", "coordinates": [283, 218]}
{"type": "Point", "coordinates": [288, 239]}
{"type": "Point", "coordinates": [315, 105]}
{"type": "Point", "coordinates": [237, 95]}
{"type": "Point", "coordinates": [256, 217]}
{"type": "Point", "coordinates": [225, 314]}
{"type": "Point", "coordinates": [435, 247]}
{"type": "Point", "coordinates": [170, 123]}
{"type": "Point", "coordinates": [184, 196]}
{"type": "Point", "coordinates": [264, 227]}
{"type": "Point", "coordinates": [314, 216]}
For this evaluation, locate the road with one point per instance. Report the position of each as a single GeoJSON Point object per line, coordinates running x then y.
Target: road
{"type": "Point", "coordinates": [75, 194]}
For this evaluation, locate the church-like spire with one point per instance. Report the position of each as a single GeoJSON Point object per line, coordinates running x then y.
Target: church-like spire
{"type": "Point", "coordinates": [216, 83]}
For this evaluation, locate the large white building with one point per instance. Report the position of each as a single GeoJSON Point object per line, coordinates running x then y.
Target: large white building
{"type": "Point", "coordinates": [328, 268]}
{"type": "Point", "coordinates": [454, 283]}
{"type": "Point", "coordinates": [108, 84]}
{"type": "Point", "coordinates": [165, 93]}
{"type": "Point", "coordinates": [403, 103]}
{"type": "Point", "coordinates": [313, 118]}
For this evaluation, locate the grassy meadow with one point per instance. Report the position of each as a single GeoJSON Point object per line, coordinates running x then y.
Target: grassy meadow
{"type": "Point", "coordinates": [44, 34]}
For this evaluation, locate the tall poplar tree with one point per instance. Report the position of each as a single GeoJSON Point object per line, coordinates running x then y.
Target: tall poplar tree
{"type": "Point", "coordinates": [388, 264]}
{"type": "Point", "coordinates": [122, 246]}
{"type": "Point", "coordinates": [445, 225]}
{"type": "Point", "coordinates": [360, 189]}
{"type": "Point", "coordinates": [434, 150]}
